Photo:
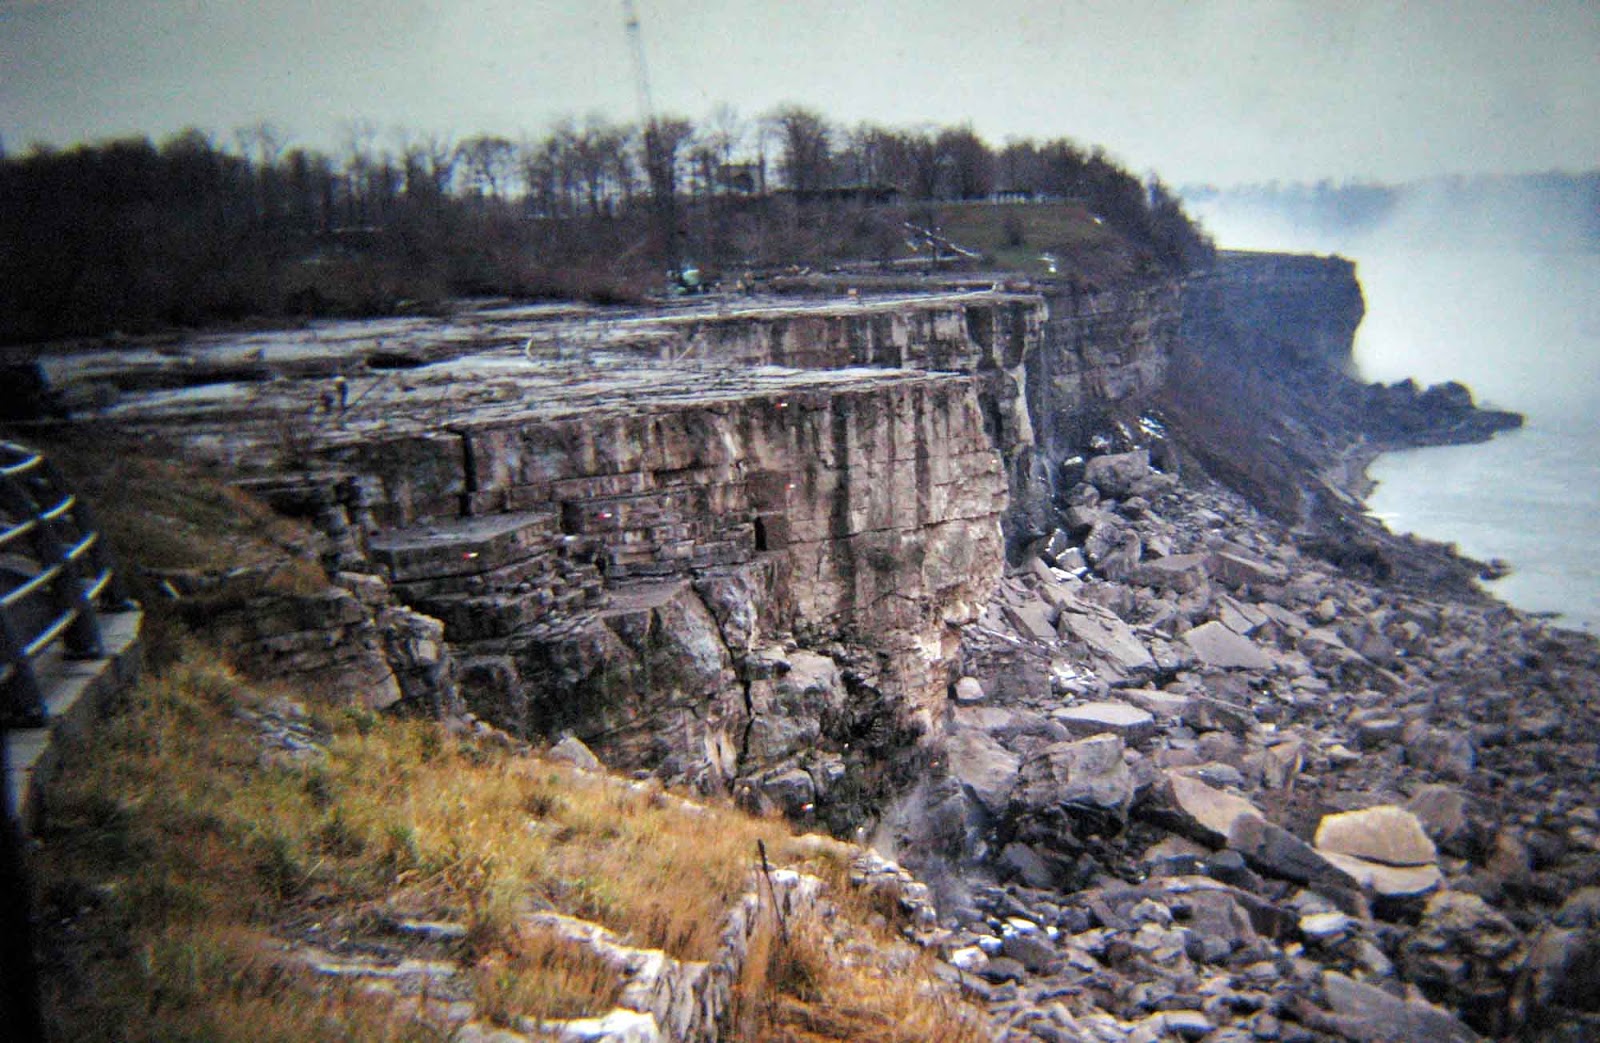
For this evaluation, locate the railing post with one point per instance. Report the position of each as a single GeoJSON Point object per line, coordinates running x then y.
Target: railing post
{"type": "Point", "coordinates": [20, 1010]}
{"type": "Point", "coordinates": [24, 704]}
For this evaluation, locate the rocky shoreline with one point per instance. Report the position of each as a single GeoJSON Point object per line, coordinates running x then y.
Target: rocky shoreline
{"type": "Point", "coordinates": [1198, 783]}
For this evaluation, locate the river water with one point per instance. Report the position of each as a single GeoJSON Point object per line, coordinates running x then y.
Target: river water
{"type": "Point", "coordinates": [1522, 330]}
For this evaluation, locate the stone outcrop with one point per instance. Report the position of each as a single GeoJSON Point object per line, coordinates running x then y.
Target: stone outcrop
{"type": "Point", "coordinates": [743, 549]}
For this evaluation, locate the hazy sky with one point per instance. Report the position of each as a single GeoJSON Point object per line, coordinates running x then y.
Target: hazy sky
{"type": "Point", "coordinates": [1228, 91]}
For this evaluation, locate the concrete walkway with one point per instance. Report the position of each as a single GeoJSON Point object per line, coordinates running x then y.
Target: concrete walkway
{"type": "Point", "coordinates": [76, 692]}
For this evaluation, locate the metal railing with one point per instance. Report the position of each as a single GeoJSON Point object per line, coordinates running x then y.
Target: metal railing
{"type": "Point", "coordinates": [54, 570]}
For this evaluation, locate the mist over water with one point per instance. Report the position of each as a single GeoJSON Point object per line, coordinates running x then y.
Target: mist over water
{"type": "Point", "coordinates": [1521, 328]}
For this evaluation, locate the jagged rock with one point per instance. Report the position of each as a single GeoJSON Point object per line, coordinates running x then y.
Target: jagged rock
{"type": "Point", "coordinates": [790, 790]}
{"type": "Point", "coordinates": [1205, 713]}
{"type": "Point", "coordinates": [1461, 951]}
{"type": "Point", "coordinates": [1190, 807]}
{"type": "Point", "coordinates": [1103, 538]}
{"type": "Point", "coordinates": [1080, 519]}
{"type": "Point", "coordinates": [1442, 811]}
{"type": "Point", "coordinates": [1236, 569]}
{"type": "Point", "coordinates": [1280, 764]}
{"type": "Point", "coordinates": [969, 690]}
{"type": "Point", "coordinates": [1371, 1015]}
{"type": "Point", "coordinates": [985, 767]}
{"type": "Point", "coordinates": [571, 750]}
{"type": "Point", "coordinates": [1116, 475]}
{"type": "Point", "coordinates": [1031, 948]}
{"type": "Point", "coordinates": [1277, 852]}
{"type": "Point", "coordinates": [1218, 926]}
{"type": "Point", "coordinates": [1217, 646]}
{"type": "Point", "coordinates": [1561, 974]}
{"type": "Point", "coordinates": [1029, 867]}
{"type": "Point", "coordinates": [1444, 751]}
{"type": "Point", "coordinates": [1130, 723]}
{"type": "Point", "coordinates": [1386, 834]}
{"type": "Point", "coordinates": [1180, 572]}
{"type": "Point", "coordinates": [1087, 775]}
{"type": "Point", "coordinates": [415, 646]}
{"type": "Point", "coordinates": [1108, 636]}
{"type": "Point", "coordinates": [1581, 909]}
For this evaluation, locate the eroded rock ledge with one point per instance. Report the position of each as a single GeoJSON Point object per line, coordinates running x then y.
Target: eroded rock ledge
{"type": "Point", "coordinates": [757, 547]}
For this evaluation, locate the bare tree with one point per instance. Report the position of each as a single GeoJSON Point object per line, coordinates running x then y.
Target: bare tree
{"type": "Point", "coordinates": [261, 142]}
{"type": "Point", "coordinates": [491, 164]}
{"type": "Point", "coordinates": [428, 161]}
{"type": "Point", "coordinates": [724, 134]}
{"type": "Point", "coordinates": [805, 139]}
{"type": "Point", "coordinates": [966, 165]}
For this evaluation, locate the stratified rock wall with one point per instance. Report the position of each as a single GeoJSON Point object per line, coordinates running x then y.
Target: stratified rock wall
{"type": "Point", "coordinates": [863, 507]}
{"type": "Point", "coordinates": [618, 520]}
{"type": "Point", "coordinates": [1105, 346]}
{"type": "Point", "coordinates": [1299, 310]}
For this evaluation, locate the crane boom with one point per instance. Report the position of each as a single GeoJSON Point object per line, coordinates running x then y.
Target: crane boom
{"type": "Point", "coordinates": [641, 74]}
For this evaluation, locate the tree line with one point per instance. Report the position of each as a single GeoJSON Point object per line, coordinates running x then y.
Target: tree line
{"type": "Point", "coordinates": [133, 235]}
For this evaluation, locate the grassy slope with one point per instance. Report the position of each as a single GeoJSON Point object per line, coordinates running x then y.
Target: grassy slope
{"type": "Point", "coordinates": [1016, 234]}
{"type": "Point", "coordinates": [187, 852]}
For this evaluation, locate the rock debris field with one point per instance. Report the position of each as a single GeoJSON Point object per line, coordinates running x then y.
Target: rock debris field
{"type": "Point", "coordinates": [1196, 785]}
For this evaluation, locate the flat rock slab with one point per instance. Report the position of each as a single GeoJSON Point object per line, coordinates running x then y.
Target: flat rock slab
{"type": "Point", "coordinates": [1206, 813]}
{"type": "Point", "coordinates": [1387, 881]}
{"type": "Point", "coordinates": [1385, 834]}
{"type": "Point", "coordinates": [1377, 1015]}
{"type": "Point", "coordinates": [1130, 722]}
{"type": "Point", "coordinates": [1160, 704]}
{"type": "Point", "coordinates": [1216, 645]}
{"type": "Point", "coordinates": [1110, 637]}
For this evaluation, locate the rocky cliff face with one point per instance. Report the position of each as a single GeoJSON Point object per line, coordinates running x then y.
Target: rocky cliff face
{"type": "Point", "coordinates": [1298, 309]}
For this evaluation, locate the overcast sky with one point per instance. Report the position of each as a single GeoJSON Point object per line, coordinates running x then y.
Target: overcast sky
{"type": "Point", "coordinates": [1223, 92]}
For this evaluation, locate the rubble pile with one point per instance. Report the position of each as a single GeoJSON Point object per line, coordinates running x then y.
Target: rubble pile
{"type": "Point", "coordinates": [1195, 784]}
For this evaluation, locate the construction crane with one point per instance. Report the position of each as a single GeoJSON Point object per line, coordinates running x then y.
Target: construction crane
{"type": "Point", "coordinates": [641, 74]}
{"type": "Point", "coordinates": [661, 181]}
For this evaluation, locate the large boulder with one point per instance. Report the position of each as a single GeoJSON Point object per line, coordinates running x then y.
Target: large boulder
{"type": "Point", "coordinates": [987, 769]}
{"type": "Point", "coordinates": [1217, 646]}
{"type": "Point", "coordinates": [1086, 776]}
{"type": "Point", "coordinates": [1385, 834]}
{"type": "Point", "coordinates": [1128, 722]}
{"type": "Point", "coordinates": [1116, 475]}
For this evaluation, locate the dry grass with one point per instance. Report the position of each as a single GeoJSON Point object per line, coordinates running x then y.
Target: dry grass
{"type": "Point", "coordinates": [179, 859]}
{"type": "Point", "coordinates": [831, 981]}
{"type": "Point", "coordinates": [184, 857]}
{"type": "Point", "coordinates": [159, 516]}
